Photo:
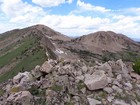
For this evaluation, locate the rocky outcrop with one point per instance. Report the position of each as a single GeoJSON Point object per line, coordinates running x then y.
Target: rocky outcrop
{"type": "Point", "coordinates": [72, 82]}
{"type": "Point", "coordinates": [22, 98]}
{"type": "Point", "coordinates": [21, 78]}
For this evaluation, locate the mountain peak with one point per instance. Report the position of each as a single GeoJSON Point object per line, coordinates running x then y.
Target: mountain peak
{"type": "Point", "coordinates": [39, 26]}
{"type": "Point", "coordinates": [105, 41]}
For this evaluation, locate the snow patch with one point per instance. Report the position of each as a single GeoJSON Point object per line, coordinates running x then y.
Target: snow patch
{"type": "Point", "coordinates": [59, 51]}
{"type": "Point", "coordinates": [48, 36]}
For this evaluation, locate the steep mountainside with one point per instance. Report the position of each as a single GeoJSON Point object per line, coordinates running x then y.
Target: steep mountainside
{"type": "Point", "coordinates": [23, 49]}
{"type": "Point", "coordinates": [105, 46]}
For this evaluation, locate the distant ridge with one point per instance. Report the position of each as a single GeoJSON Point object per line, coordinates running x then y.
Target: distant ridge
{"type": "Point", "coordinates": [106, 41]}
{"type": "Point", "coordinates": [136, 39]}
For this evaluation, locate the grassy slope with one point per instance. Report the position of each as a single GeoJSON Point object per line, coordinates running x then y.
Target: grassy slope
{"type": "Point", "coordinates": [7, 58]}
{"type": "Point", "coordinates": [127, 56]}
{"type": "Point", "coordinates": [26, 64]}
{"type": "Point", "coordinates": [29, 53]}
{"type": "Point", "coordinates": [9, 48]}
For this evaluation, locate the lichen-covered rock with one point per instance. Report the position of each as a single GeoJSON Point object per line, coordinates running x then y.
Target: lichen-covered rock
{"type": "Point", "coordinates": [22, 98]}
{"type": "Point", "coordinates": [22, 78]}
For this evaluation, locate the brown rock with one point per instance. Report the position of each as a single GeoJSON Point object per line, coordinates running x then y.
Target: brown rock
{"type": "Point", "coordinates": [46, 67]}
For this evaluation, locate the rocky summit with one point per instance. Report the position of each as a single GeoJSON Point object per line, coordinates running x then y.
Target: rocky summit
{"type": "Point", "coordinates": [40, 66]}
{"type": "Point", "coordinates": [101, 41]}
{"type": "Point", "coordinates": [73, 82]}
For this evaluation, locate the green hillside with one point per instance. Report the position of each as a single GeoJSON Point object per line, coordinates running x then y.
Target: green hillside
{"type": "Point", "coordinates": [27, 53]}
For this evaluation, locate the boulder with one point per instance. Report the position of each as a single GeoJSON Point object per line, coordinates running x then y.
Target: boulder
{"type": "Point", "coordinates": [117, 89]}
{"type": "Point", "coordinates": [36, 72]}
{"type": "Point", "coordinates": [22, 98]}
{"type": "Point", "coordinates": [46, 67]}
{"type": "Point", "coordinates": [47, 83]}
{"type": "Point", "coordinates": [107, 68]}
{"type": "Point", "coordinates": [124, 70]}
{"type": "Point", "coordinates": [50, 96]}
{"type": "Point", "coordinates": [128, 86]}
{"type": "Point", "coordinates": [97, 80]}
{"type": "Point", "coordinates": [62, 80]}
{"type": "Point", "coordinates": [110, 98]}
{"type": "Point", "coordinates": [115, 82]}
{"type": "Point", "coordinates": [108, 90]}
{"type": "Point", "coordinates": [80, 78]}
{"type": "Point", "coordinates": [136, 76]}
{"type": "Point", "coordinates": [84, 69]}
{"type": "Point", "coordinates": [22, 78]}
{"type": "Point", "coordinates": [119, 77]}
{"type": "Point", "coordinates": [93, 101]}
{"type": "Point", "coordinates": [123, 66]}
{"type": "Point", "coordinates": [120, 102]}
{"type": "Point", "coordinates": [109, 80]}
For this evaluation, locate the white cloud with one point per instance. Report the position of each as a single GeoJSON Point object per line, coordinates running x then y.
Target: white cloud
{"type": "Point", "coordinates": [74, 25]}
{"type": "Point", "coordinates": [19, 14]}
{"type": "Point", "coordinates": [89, 7]}
{"type": "Point", "coordinates": [128, 25]}
{"type": "Point", "coordinates": [50, 3]}
{"type": "Point", "coordinates": [19, 11]}
{"type": "Point", "coordinates": [73, 21]}
{"type": "Point", "coordinates": [133, 11]}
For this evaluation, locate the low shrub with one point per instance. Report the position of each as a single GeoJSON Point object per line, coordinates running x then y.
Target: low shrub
{"type": "Point", "coordinates": [136, 66]}
{"type": "Point", "coordinates": [34, 90]}
{"type": "Point", "coordinates": [69, 103]}
{"type": "Point", "coordinates": [15, 89]}
{"type": "Point", "coordinates": [57, 88]}
{"type": "Point", "coordinates": [1, 92]}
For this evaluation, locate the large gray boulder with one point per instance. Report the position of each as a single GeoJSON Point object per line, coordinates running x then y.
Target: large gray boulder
{"type": "Point", "coordinates": [123, 66]}
{"type": "Point", "coordinates": [107, 68]}
{"type": "Point", "coordinates": [124, 70]}
{"type": "Point", "coordinates": [22, 78]}
{"type": "Point", "coordinates": [97, 80]}
{"type": "Point", "coordinates": [22, 98]}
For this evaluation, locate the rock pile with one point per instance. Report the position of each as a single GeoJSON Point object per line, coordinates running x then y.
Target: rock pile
{"type": "Point", "coordinates": [70, 82]}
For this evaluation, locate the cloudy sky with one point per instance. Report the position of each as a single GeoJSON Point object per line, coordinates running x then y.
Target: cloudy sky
{"type": "Point", "coordinates": [73, 17]}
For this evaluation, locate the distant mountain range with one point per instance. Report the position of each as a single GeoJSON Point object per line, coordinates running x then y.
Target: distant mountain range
{"type": "Point", "coordinates": [136, 39]}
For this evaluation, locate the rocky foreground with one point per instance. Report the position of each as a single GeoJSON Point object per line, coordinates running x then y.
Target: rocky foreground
{"type": "Point", "coordinates": [70, 82]}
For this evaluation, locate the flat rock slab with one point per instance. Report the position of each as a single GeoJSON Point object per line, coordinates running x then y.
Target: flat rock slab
{"type": "Point", "coordinates": [97, 80]}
